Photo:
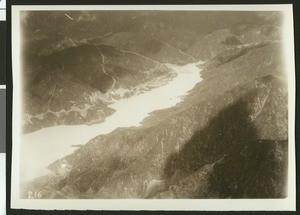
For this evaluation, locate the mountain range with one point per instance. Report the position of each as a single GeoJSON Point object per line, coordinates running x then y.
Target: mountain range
{"type": "Point", "coordinates": [227, 138]}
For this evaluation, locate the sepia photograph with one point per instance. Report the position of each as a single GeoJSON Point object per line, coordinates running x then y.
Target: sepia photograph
{"type": "Point", "coordinates": [153, 107]}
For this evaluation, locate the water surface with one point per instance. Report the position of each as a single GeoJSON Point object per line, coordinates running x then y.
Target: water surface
{"type": "Point", "coordinates": [42, 147]}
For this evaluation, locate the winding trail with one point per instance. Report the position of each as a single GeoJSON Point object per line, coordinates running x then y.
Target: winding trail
{"type": "Point", "coordinates": [130, 52]}
{"type": "Point", "coordinates": [103, 68]}
{"type": "Point", "coordinates": [184, 53]}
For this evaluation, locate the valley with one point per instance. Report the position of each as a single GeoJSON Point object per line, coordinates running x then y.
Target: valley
{"type": "Point", "coordinates": [128, 112]}
{"type": "Point", "coordinates": [155, 106]}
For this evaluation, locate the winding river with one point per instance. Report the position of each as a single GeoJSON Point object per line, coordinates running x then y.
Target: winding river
{"type": "Point", "coordinates": [42, 147]}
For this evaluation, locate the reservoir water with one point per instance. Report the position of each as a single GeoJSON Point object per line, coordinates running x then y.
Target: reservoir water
{"type": "Point", "coordinates": [42, 147]}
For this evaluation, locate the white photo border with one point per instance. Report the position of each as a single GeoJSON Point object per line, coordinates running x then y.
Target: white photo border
{"type": "Point", "coordinates": [287, 204]}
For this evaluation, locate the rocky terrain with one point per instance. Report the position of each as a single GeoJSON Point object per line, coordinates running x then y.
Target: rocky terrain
{"type": "Point", "coordinates": [75, 85]}
{"type": "Point", "coordinates": [228, 138]}
{"type": "Point", "coordinates": [76, 62]}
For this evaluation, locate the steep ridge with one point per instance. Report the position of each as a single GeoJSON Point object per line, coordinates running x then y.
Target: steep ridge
{"type": "Point", "coordinates": [226, 139]}
{"type": "Point", "coordinates": [75, 85]}
{"type": "Point", "coordinates": [220, 40]}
